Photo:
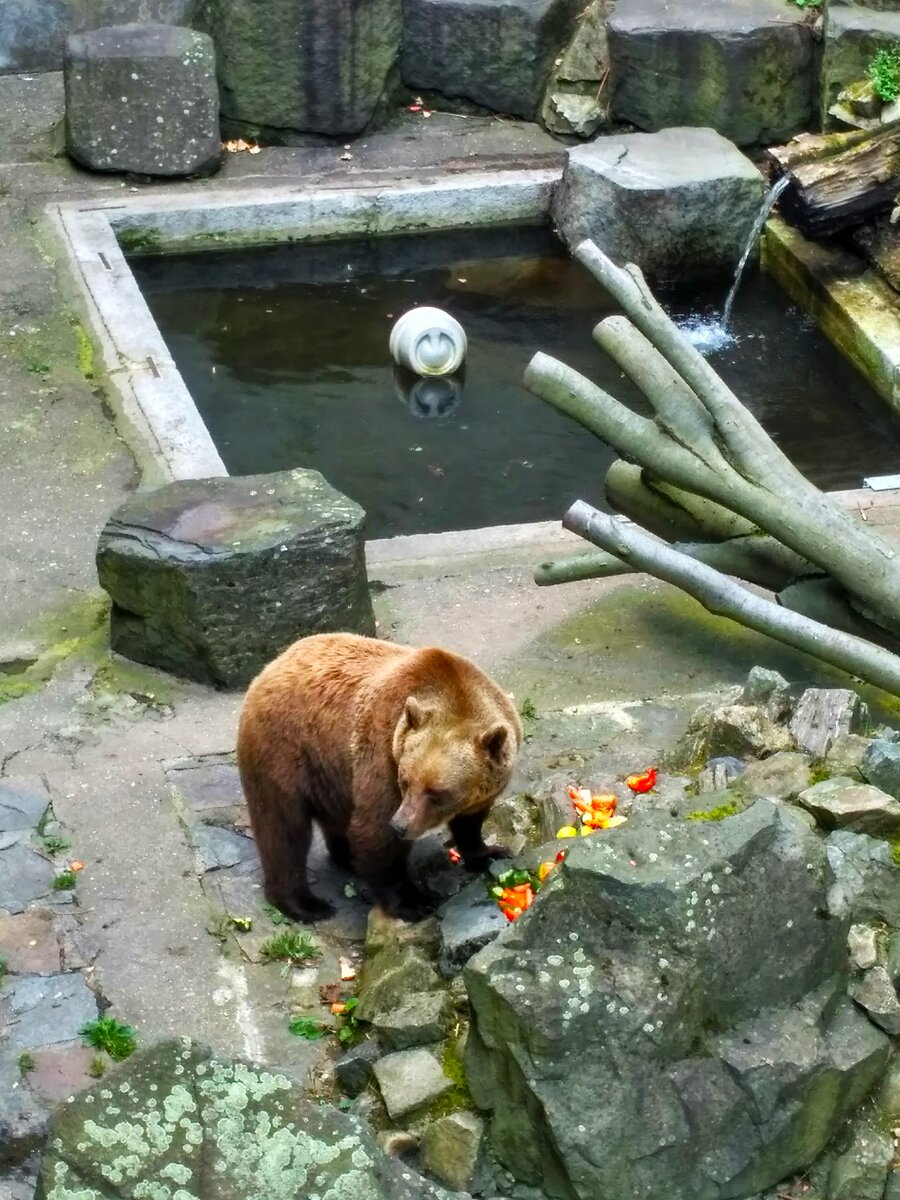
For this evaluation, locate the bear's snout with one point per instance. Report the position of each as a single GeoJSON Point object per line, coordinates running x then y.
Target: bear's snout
{"type": "Point", "coordinates": [400, 824]}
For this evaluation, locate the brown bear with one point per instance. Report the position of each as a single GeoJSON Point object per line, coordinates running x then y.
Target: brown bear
{"type": "Point", "coordinates": [378, 744]}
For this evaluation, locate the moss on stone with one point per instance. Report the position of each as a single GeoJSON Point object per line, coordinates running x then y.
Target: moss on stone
{"type": "Point", "coordinates": [719, 813]}
{"type": "Point", "coordinates": [457, 1097]}
{"type": "Point", "coordinates": [85, 351]}
{"type": "Point", "coordinates": [139, 241]}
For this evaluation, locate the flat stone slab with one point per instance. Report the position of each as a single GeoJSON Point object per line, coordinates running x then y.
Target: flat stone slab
{"type": "Point", "coordinates": [842, 803]}
{"type": "Point", "coordinates": [469, 920]}
{"type": "Point", "coordinates": [176, 1119]}
{"type": "Point", "coordinates": [28, 943]}
{"type": "Point", "coordinates": [409, 1080]}
{"type": "Point", "coordinates": [701, 62]}
{"type": "Point", "coordinates": [213, 578]}
{"type": "Point", "coordinates": [822, 715]}
{"type": "Point", "coordinates": [496, 53]}
{"type": "Point", "coordinates": [420, 1020]}
{"type": "Point", "coordinates": [865, 879]}
{"type": "Point", "coordinates": [25, 876]}
{"type": "Point", "coordinates": [43, 1010]}
{"type": "Point", "coordinates": [22, 804]}
{"type": "Point", "coordinates": [679, 203]}
{"type": "Point", "coordinates": [143, 99]}
{"type": "Point", "coordinates": [217, 848]}
{"type": "Point", "coordinates": [318, 66]}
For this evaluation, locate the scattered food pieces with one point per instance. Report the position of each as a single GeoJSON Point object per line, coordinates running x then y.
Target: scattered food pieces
{"type": "Point", "coordinates": [244, 924]}
{"type": "Point", "coordinates": [76, 866]}
{"type": "Point", "coordinates": [348, 971]}
{"type": "Point", "coordinates": [643, 782]}
{"type": "Point", "coordinates": [239, 145]}
{"type": "Point", "coordinates": [454, 855]}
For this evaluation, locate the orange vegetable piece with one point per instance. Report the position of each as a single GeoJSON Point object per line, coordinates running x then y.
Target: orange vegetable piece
{"type": "Point", "coordinates": [454, 856]}
{"type": "Point", "coordinates": [644, 782]}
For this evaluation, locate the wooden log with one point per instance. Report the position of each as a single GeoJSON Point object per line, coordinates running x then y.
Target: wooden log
{"type": "Point", "coordinates": [838, 180]}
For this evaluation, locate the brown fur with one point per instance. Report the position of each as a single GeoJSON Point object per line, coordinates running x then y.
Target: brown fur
{"type": "Point", "coordinates": [378, 744]}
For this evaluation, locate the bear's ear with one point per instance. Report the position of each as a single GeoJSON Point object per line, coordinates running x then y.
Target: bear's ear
{"type": "Point", "coordinates": [416, 713]}
{"type": "Point", "coordinates": [494, 742]}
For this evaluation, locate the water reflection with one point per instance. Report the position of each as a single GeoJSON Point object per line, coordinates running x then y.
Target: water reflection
{"type": "Point", "coordinates": [429, 398]}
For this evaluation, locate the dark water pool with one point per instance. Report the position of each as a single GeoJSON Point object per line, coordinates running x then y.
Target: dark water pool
{"type": "Point", "coordinates": [285, 353]}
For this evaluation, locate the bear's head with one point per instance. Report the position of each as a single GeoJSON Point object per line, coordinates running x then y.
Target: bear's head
{"type": "Point", "coordinates": [448, 765]}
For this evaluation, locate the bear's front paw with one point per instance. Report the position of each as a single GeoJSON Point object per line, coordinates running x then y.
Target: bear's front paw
{"type": "Point", "coordinates": [479, 859]}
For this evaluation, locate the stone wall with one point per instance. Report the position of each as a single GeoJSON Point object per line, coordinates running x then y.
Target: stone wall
{"type": "Point", "coordinates": [32, 32]}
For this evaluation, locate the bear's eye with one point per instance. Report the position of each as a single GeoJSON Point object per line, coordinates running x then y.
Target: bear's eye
{"type": "Point", "coordinates": [435, 796]}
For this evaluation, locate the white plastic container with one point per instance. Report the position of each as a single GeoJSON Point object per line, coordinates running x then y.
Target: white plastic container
{"type": "Point", "coordinates": [428, 341]}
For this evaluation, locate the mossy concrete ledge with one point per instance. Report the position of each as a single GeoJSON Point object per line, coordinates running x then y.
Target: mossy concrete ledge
{"type": "Point", "coordinates": [178, 1124]}
{"type": "Point", "coordinates": [852, 306]}
{"type": "Point", "coordinates": [212, 578]}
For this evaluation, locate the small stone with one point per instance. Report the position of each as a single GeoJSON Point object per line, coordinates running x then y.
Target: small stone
{"type": "Point", "coordinates": [781, 776]}
{"type": "Point", "coordinates": [861, 98]}
{"type": "Point", "coordinates": [28, 943]}
{"type": "Point", "coordinates": [353, 1069]}
{"type": "Point", "coordinates": [769, 691]}
{"type": "Point", "coordinates": [842, 804]}
{"type": "Point", "coordinates": [22, 804]}
{"type": "Point", "coordinates": [383, 931]}
{"type": "Point", "coordinates": [410, 1079]}
{"type": "Point", "coordinates": [395, 973]}
{"type": "Point", "coordinates": [44, 1010]}
{"type": "Point", "coordinates": [847, 754]}
{"type": "Point", "coordinates": [862, 946]}
{"type": "Point", "coordinates": [875, 993]}
{"type": "Point", "coordinates": [468, 921]}
{"type": "Point", "coordinates": [24, 877]}
{"type": "Point", "coordinates": [745, 731]}
{"type": "Point", "coordinates": [217, 847]}
{"type": "Point", "coordinates": [450, 1148]}
{"type": "Point", "coordinates": [881, 766]}
{"type": "Point", "coordinates": [718, 773]}
{"type": "Point", "coordinates": [513, 822]}
{"type": "Point", "coordinates": [575, 114]}
{"type": "Point", "coordinates": [824, 714]}
{"type": "Point", "coordinates": [419, 1021]}
{"type": "Point", "coordinates": [860, 1171]}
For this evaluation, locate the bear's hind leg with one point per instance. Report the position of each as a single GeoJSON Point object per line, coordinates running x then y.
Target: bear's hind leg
{"type": "Point", "coordinates": [283, 832]}
{"type": "Point", "coordinates": [338, 850]}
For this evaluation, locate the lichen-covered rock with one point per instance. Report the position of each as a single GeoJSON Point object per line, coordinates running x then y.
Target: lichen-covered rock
{"type": "Point", "coordinates": [317, 66]}
{"type": "Point", "coordinates": [212, 578]}
{"type": "Point", "coordinates": [842, 803]}
{"type": "Point", "coordinates": [881, 766]}
{"type": "Point", "coordinates": [694, 1027]}
{"type": "Point", "coordinates": [176, 1122]}
{"type": "Point", "coordinates": [822, 715]}
{"type": "Point", "coordinates": [865, 878]}
{"type": "Point", "coordinates": [781, 776]}
{"type": "Point", "coordinates": [410, 1079]}
{"type": "Point", "coordinates": [745, 68]}
{"type": "Point", "coordinates": [142, 98]}
{"type": "Point", "coordinates": [660, 200]}
{"type": "Point", "coordinates": [450, 1148]}
{"type": "Point", "coordinates": [495, 54]}
{"type": "Point", "coordinates": [576, 101]}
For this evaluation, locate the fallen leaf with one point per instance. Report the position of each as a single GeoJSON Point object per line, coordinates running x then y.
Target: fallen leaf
{"type": "Point", "coordinates": [330, 993]}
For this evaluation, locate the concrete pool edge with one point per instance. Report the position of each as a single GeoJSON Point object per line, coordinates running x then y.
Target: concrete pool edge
{"type": "Point", "coordinates": [162, 423]}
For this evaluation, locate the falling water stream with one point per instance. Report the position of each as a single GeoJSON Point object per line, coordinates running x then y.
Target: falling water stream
{"type": "Point", "coordinates": [762, 216]}
{"type": "Point", "coordinates": [713, 333]}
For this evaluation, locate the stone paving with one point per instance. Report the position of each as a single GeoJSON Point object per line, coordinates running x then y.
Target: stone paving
{"type": "Point", "coordinates": [131, 773]}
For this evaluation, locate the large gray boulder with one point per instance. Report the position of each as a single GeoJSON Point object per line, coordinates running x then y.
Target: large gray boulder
{"type": "Point", "coordinates": [317, 66]}
{"type": "Point", "coordinates": [496, 53]}
{"type": "Point", "coordinates": [745, 68]}
{"type": "Point", "coordinates": [212, 578]}
{"type": "Point", "coordinates": [669, 1019]}
{"type": "Point", "coordinates": [142, 99]}
{"type": "Point", "coordinates": [176, 1122]}
{"type": "Point", "coordinates": [679, 203]}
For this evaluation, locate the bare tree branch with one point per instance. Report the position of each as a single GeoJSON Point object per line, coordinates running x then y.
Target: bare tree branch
{"type": "Point", "coordinates": [723, 597]}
